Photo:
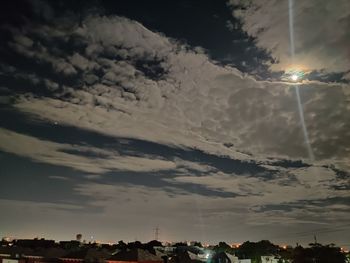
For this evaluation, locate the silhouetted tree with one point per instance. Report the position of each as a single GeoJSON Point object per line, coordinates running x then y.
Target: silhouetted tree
{"type": "Point", "coordinates": [197, 244]}
{"type": "Point", "coordinates": [254, 250]}
{"type": "Point", "coordinates": [154, 243]}
{"type": "Point", "coordinates": [150, 246]}
{"type": "Point", "coordinates": [121, 245]}
{"type": "Point", "coordinates": [136, 244]}
{"type": "Point", "coordinates": [222, 247]}
{"type": "Point", "coordinates": [180, 244]}
{"type": "Point", "coordinates": [318, 253]}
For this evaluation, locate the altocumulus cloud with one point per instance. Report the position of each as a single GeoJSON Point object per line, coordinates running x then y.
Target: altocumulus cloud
{"type": "Point", "coordinates": [131, 77]}
{"type": "Point", "coordinates": [192, 123]}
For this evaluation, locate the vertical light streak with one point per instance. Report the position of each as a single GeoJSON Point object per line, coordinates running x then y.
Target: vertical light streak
{"type": "Point", "coordinates": [291, 29]}
{"type": "Point", "coordinates": [300, 106]}
{"type": "Point", "coordinates": [199, 215]}
{"type": "Point", "coordinates": [302, 120]}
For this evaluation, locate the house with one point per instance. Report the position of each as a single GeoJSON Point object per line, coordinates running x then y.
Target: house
{"type": "Point", "coordinates": [71, 260]}
{"type": "Point", "coordinates": [269, 259]}
{"type": "Point", "coordinates": [34, 243]}
{"type": "Point", "coordinates": [223, 257]}
{"type": "Point", "coordinates": [8, 260]}
{"type": "Point", "coordinates": [184, 256]}
{"type": "Point", "coordinates": [88, 255]}
{"type": "Point", "coordinates": [136, 255]}
{"type": "Point", "coordinates": [196, 257]}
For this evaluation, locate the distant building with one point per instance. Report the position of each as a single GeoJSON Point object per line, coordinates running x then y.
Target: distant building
{"type": "Point", "coordinates": [223, 257]}
{"type": "Point", "coordinates": [136, 255]}
{"type": "Point", "coordinates": [185, 257]}
{"type": "Point", "coordinates": [269, 259]}
{"type": "Point", "coordinates": [73, 244]}
{"type": "Point", "coordinates": [71, 260]}
{"type": "Point", "coordinates": [165, 250]}
{"type": "Point", "coordinates": [79, 237]}
{"type": "Point", "coordinates": [8, 260]}
{"type": "Point", "coordinates": [196, 257]}
{"type": "Point", "coordinates": [34, 243]}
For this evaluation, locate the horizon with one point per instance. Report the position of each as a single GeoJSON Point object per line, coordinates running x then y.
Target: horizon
{"type": "Point", "coordinates": [232, 244]}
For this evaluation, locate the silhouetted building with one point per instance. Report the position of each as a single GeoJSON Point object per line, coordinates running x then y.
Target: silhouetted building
{"type": "Point", "coordinates": [79, 237]}
{"type": "Point", "coordinates": [73, 244]}
{"type": "Point", "coordinates": [135, 255]}
{"type": "Point", "coordinates": [34, 243]}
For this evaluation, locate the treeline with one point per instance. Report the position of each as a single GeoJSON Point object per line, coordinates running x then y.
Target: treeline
{"type": "Point", "coordinates": [315, 253]}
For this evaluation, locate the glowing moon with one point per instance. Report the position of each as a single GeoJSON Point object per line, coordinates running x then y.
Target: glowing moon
{"type": "Point", "coordinates": [294, 77]}
{"type": "Point", "coordinates": [294, 74]}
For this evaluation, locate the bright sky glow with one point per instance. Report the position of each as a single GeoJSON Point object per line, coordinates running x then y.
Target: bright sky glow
{"type": "Point", "coordinates": [294, 74]}
{"type": "Point", "coordinates": [294, 77]}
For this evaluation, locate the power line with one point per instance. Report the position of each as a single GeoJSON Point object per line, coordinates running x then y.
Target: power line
{"type": "Point", "coordinates": [156, 233]}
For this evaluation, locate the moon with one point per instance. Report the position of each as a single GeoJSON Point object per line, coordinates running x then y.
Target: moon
{"type": "Point", "coordinates": [294, 77]}
{"type": "Point", "coordinates": [294, 74]}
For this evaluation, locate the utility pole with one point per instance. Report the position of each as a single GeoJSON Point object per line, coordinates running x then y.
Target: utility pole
{"type": "Point", "coordinates": [156, 233]}
{"type": "Point", "coordinates": [315, 251]}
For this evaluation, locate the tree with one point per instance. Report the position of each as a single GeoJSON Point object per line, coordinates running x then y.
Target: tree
{"type": "Point", "coordinates": [121, 245]}
{"type": "Point", "coordinates": [318, 253]}
{"type": "Point", "coordinates": [222, 247]}
{"type": "Point", "coordinates": [180, 244]}
{"type": "Point", "coordinates": [197, 244]}
{"type": "Point", "coordinates": [154, 243]}
{"type": "Point", "coordinates": [136, 244]}
{"type": "Point", "coordinates": [150, 245]}
{"type": "Point", "coordinates": [254, 250]}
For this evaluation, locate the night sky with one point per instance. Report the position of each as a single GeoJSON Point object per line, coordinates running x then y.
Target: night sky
{"type": "Point", "coordinates": [117, 117]}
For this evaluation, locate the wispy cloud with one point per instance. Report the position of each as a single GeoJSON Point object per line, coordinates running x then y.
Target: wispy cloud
{"type": "Point", "coordinates": [68, 155]}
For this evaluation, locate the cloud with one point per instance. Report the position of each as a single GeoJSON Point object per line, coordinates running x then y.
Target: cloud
{"type": "Point", "coordinates": [289, 186]}
{"type": "Point", "coordinates": [66, 155]}
{"type": "Point", "coordinates": [163, 130]}
{"type": "Point", "coordinates": [261, 206]}
{"type": "Point", "coordinates": [141, 84]}
{"type": "Point", "coordinates": [134, 39]}
{"type": "Point", "coordinates": [320, 30]}
{"type": "Point", "coordinates": [250, 186]}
